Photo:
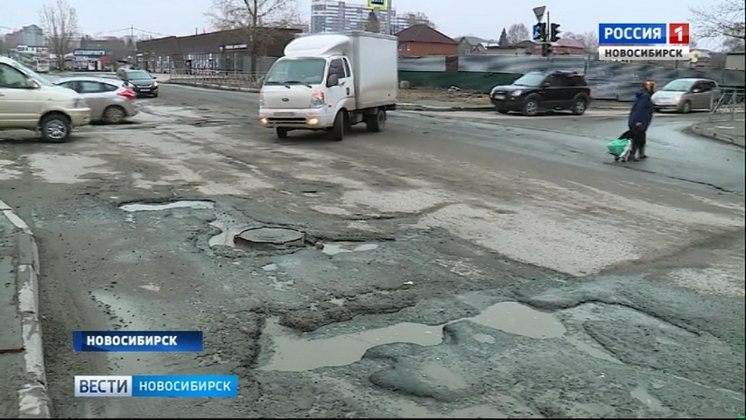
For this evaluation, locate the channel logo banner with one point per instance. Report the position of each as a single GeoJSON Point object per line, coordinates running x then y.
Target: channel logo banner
{"type": "Point", "coordinates": [163, 386]}
{"type": "Point", "coordinates": [632, 33]}
{"type": "Point", "coordinates": [137, 341]}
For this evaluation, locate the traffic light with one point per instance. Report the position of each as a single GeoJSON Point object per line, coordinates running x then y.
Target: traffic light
{"type": "Point", "coordinates": [541, 33]}
{"type": "Point", "coordinates": [555, 32]}
{"type": "Point", "coordinates": [546, 50]}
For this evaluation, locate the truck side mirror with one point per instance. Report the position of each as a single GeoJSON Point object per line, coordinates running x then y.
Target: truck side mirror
{"type": "Point", "coordinates": [332, 80]}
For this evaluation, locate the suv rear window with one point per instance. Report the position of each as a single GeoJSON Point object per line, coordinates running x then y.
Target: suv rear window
{"type": "Point", "coordinates": [579, 81]}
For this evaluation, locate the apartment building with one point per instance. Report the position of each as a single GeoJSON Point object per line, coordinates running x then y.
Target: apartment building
{"type": "Point", "coordinates": [334, 15]}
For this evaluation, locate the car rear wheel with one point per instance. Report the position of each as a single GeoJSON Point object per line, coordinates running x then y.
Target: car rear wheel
{"type": "Point", "coordinates": [114, 114]}
{"type": "Point", "coordinates": [579, 106]}
{"type": "Point", "coordinates": [531, 107]}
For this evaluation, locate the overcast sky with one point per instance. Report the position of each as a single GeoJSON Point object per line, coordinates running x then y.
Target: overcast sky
{"type": "Point", "coordinates": [483, 18]}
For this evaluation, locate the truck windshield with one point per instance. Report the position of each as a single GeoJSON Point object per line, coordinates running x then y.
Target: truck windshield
{"type": "Point", "coordinates": [297, 70]}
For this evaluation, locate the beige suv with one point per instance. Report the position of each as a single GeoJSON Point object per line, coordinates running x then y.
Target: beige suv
{"type": "Point", "coordinates": [28, 101]}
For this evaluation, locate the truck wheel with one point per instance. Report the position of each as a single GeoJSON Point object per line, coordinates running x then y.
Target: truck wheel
{"type": "Point", "coordinates": [282, 133]}
{"type": "Point", "coordinates": [376, 123]}
{"type": "Point", "coordinates": [55, 128]}
{"type": "Point", "coordinates": [531, 107]}
{"type": "Point", "coordinates": [340, 123]}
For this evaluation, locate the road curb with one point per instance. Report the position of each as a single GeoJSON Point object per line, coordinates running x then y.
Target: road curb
{"type": "Point", "coordinates": [713, 134]}
{"type": "Point", "coordinates": [213, 86]}
{"type": "Point", "coordinates": [33, 398]}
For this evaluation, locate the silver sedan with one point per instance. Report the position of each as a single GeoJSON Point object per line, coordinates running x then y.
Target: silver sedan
{"type": "Point", "coordinates": [110, 100]}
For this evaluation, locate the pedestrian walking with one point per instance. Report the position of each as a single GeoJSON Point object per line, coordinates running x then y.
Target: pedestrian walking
{"type": "Point", "coordinates": [640, 117]}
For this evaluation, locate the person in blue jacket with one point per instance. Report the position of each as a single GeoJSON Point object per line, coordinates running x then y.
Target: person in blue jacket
{"type": "Point", "coordinates": [639, 120]}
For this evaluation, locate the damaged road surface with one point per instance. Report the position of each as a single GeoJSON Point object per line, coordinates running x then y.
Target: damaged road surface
{"type": "Point", "coordinates": [426, 271]}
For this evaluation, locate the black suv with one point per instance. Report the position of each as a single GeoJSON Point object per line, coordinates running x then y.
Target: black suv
{"type": "Point", "coordinates": [537, 92]}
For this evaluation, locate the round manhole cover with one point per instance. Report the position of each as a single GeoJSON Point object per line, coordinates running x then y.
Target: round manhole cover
{"type": "Point", "coordinates": [273, 236]}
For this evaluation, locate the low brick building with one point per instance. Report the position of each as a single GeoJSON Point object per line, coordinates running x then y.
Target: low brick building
{"type": "Point", "coordinates": [420, 40]}
{"type": "Point", "coordinates": [222, 50]}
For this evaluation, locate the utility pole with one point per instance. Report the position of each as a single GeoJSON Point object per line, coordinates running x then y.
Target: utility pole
{"type": "Point", "coordinates": [389, 9]}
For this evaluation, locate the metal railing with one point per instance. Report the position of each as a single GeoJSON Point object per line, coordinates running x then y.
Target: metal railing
{"type": "Point", "coordinates": [226, 79]}
{"type": "Point", "coordinates": [728, 104]}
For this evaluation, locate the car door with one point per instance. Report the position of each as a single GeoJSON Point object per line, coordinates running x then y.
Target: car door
{"type": "Point", "coordinates": [20, 105]}
{"type": "Point", "coordinates": [339, 91]}
{"type": "Point", "coordinates": [699, 95]}
{"type": "Point", "coordinates": [349, 79]}
{"type": "Point", "coordinates": [551, 92]}
{"type": "Point", "coordinates": [94, 94]}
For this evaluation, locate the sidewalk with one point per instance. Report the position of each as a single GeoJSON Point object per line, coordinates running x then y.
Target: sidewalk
{"type": "Point", "coordinates": [731, 131]}
{"type": "Point", "coordinates": [23, 387]}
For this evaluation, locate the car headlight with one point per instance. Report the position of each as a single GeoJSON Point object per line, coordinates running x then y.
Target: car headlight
{"type": "Point", "coordinates": [677, 98]}
{"type": "Point", "coordinates": [79, 103]}
{"type": "Point", "coordinates": [317, 99]}
{"type": "Point", "coordinates": [155, 84]}
{"type": "Point", "coordinates": [516, 93]}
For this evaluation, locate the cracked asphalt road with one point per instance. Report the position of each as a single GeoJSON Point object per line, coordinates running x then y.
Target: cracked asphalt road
{"type": "Point", "coordinates": [449, 267]}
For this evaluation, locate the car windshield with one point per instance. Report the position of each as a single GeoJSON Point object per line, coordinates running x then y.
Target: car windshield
{"type": "Point", "coordinates": [32, 74]}
{"type": "Point", "coordinates": [139, 75]}
{"type": "Point", "coordinates": [530, 79]}
{"type": "Point", "coordinates": [678, 86]}
{"type": "Point", "coordinates": [297, 70]}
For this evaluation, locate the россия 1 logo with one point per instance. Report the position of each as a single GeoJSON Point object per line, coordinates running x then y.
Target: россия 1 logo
{"type": "Point", "coordinates": [643, 41]}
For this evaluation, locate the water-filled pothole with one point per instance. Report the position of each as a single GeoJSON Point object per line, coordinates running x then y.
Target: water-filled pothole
{"type": "Point", "coordinates": [294, 353]}
{"type": "Point", "coordinates": [181, 204]}
{"type": "Point", "coordinates": [334, 248]}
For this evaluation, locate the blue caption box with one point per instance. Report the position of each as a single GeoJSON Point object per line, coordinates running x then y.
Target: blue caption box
{"type": "Point", "coordinates": [163, 386]}
{"type": "Point", "coordinates": [632, 33]}
{"type": "Point", "coordinates": [137, 341]}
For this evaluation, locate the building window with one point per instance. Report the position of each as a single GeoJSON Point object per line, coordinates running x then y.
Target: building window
{"type": "Point", "coordinates": [409, 46]}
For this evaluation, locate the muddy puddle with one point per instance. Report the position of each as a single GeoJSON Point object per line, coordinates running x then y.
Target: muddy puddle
{"type": "Point", "coordinates": [292, 352]}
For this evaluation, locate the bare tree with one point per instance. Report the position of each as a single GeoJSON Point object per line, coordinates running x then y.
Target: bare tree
{"type": "Point", "coordinates": [722, 20]}
{"type": "Point", "coordinates": [59, 21]}
{"type": "Point", "coordinates": [518, 32]}
{"type": "Point", "coordinates": [733, 45]}
{"type": "Point", "coordinates": [418, 18]}
{"type": "Point", "coordinates": [372, 24]}
{"type": "Point", "coordinates": [588, 39]}
{"type": "Point", "coordinates": [254, 17]}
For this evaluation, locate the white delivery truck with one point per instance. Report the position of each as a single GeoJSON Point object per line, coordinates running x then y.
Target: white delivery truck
{"type": "Point", "coordinates": [330, 82]}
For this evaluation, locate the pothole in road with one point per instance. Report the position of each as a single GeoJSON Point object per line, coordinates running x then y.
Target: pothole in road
{"type": "Point", "coordinates": [181, 204]}
{"type": "Point", "coordinates": [265, 238]}
{"type": "Point", "coordinates": [294, 353]}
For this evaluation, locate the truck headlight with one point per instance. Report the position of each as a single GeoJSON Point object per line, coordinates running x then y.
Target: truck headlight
{"type": "Point", "coordinates": [317, 99]}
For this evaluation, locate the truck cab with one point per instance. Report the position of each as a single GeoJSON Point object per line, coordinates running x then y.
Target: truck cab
{"type": "Point", "coordinates": [323, 83]}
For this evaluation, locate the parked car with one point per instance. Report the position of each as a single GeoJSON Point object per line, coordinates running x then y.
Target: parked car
{"type": "Point", "coordinates": [110, 100]}
{"type": "Point", "coordinates": [142, 82]}
{"type": "Point", "coordinates": [685, 95]}
{"type": "Point", "coordinates": [28, 101]}
{"type": "Point", "coordinates": [538, 92]}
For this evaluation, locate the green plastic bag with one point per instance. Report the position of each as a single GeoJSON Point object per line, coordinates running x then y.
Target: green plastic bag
{"type": "Point", "coordinates": [616, 147]}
